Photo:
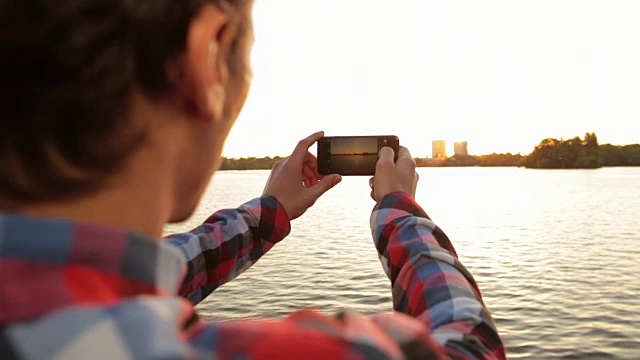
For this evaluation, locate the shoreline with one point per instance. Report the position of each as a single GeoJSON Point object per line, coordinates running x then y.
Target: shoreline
{"type": "Point", "coordinates": [551, 153]}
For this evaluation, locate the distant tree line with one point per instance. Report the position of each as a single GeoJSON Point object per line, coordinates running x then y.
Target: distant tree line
{"type": "Point", "coordinates": [494, 159]}
{"type": "Point", "coordinates": [266, 163]}
{"type": "Point", "coordinates": [573, 153]}
{"type": "Point", "coordinates": [628, 155]}
{"type": "Point", "coordinates": [251, 163]}
{"type": "Point", "coordinates": [579, 153]}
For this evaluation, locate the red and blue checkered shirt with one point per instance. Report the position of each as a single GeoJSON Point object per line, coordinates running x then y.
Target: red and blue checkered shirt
{"type": "Point", "coordinates": [77, 291]}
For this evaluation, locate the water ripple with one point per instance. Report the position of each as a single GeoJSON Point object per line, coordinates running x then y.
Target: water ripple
{"type": "Point", "coordinates": [556, 255]}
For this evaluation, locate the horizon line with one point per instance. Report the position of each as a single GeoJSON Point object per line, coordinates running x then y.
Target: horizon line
{"type": "Point", "coordinates": [415, 157]}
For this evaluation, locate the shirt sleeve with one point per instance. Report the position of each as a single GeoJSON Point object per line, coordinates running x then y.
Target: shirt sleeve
{"type": "Point", "coordinates": [228, 243]}
{"type": "Point", "coordinates": [307, 334]}
{"type": "Point", "coordinates": [439, 310]}
{"type": "Point", "coordinates": [428, 281]}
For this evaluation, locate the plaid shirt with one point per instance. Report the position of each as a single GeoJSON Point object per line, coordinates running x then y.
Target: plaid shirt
{"type": "Point", "coordinates": [76, 291]}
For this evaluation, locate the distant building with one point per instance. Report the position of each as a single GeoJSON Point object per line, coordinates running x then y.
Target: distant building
{"type": "Point", "coordinates": [439, 149]}
{"type": "Point", "coordinates": [460, 148]}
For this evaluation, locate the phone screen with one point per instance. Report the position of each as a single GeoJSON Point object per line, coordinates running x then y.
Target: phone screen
{"type": "Point", "coordinates": [356, 155]}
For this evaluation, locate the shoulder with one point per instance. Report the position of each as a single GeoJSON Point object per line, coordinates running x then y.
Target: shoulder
{"type": "Point", "coordinates": [140, 328]}
{"type": "Point", "coordinates": [307, 334]}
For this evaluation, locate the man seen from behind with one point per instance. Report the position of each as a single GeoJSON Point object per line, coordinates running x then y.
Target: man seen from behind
{"type": "Point", "coordinates": [114, 118]}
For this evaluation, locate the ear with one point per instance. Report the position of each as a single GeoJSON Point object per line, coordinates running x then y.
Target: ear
{"type": "Point", "coordinates": [203, 69]}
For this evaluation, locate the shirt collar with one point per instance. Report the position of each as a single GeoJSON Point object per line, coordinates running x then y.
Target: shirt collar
{"type": "Point", "coordinates": [48, 264]}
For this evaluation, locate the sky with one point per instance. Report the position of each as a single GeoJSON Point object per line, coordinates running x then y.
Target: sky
{"type": "Point", "coordinates": [502, 75]}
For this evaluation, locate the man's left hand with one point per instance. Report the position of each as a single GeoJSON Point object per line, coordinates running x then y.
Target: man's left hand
{"type": "Point", "coordinates": [295, 181]}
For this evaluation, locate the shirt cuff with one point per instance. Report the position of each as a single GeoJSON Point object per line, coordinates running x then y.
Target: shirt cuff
{"type": "Point", "coordinates": [273, 223]}
{"type": "Point", "coordinates": [397, 204]}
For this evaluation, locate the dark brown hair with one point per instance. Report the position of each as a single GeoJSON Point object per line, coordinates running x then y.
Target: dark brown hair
{"type": "Point", "coordinates": [67, 69]}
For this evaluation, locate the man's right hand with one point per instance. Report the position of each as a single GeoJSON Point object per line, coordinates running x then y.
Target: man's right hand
{"type": "Point", "coordinates": [394, 176]}
{"type": "Point", "coordinates": [295, 181]}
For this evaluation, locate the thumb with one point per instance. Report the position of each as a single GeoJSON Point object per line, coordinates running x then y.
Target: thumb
{"type": "Point", "coordinates": [324, 185]}
{"type": "Point", "coordinates": [385, 159]}
{"type": "Point", "coordinates": [386, 154]}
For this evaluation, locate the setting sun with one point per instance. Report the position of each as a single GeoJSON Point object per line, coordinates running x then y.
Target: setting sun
{"type": "Point", "coordinates": [501, 75]}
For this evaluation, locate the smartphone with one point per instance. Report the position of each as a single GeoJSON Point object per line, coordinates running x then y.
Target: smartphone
{"type": "Point", "coordinates": [352, 155]}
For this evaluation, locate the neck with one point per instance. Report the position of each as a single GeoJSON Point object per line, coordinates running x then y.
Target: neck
{"type": "Point", "coordinates": [139, 198]}
{"type": "Point", "coordinates": [139, 201]}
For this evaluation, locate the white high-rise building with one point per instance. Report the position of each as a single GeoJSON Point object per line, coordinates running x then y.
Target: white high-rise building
{"type": "Point", "coordinates": [460, 148]}
{"type": "Point", "coordinates": [439, 149]}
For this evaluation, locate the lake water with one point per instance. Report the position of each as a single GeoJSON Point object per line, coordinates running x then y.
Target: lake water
{"type": "Point", "coordinates": [556, 254]}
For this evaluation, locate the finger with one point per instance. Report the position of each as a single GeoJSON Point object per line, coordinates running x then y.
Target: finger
{"type": "Point", "coordinates": [373, 189]}
{"type": "Point", "coordinates": [318, 175]}
{"type": "Point", "coordinates": [303, 145]}
{"type": "Point", "coordinates": [312, 162]}
{"type": "Point", "coordinates": [403, 152]}
{"type": "Point", "coordinates": [385, 159]}
{"type": "Point", "coordinates": [324, 185]}
{"type": "Point", "coordinates": [309, 174]}
{"type": "Point", "coordinates": [405, 160]}
{"type": "Point", "coordinates": [386, 154]}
